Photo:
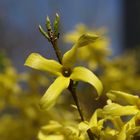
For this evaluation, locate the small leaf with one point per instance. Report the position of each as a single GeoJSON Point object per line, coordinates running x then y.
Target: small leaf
{"type": "Point", "coordinates": [56, 24]}
{"type": "Point", "coordinates": [43, 32]}
{"type": "Point", "coordinates": [48, 24]}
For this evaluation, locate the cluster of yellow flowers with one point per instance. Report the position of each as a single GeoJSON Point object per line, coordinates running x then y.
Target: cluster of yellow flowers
{"type": "Point", "coordinates": [21, 117]}
{"type": "Point", "coordinates": [107, 123]}
{"type": "Point", "coordinates": [122, 73]}
{"type": "Point", "coordinates": [18, 105]}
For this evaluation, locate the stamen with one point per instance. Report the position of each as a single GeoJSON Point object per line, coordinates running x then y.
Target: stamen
{"type": "Point", "coordinates": [66, 72]}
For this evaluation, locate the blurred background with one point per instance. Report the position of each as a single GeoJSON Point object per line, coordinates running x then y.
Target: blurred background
{"type": "Point", "coordinates": [19, 20]}
{"type": "Point", "coordinates": [21, 88]}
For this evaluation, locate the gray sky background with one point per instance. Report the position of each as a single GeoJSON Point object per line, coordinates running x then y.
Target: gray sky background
{"type": "Point", "coordinates": [22, 18]}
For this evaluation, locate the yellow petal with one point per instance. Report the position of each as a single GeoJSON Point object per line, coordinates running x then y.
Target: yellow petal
{"type": "Point", "coordinates": [93, 120]}
{"type": "Point", "coordinates": [83, 126]}
{"type": "Point", "coordinates": [122, 135]}
{"type": "Point", "coordinates": [38, 62]}
{"type": "Point", "coordinates": [69, 57]}
{"type": "Point", "coordinates": [53, 92]}
{"type": "Point", "coordinates": [127, 130]}
{"type": "Point", "coordinates": [117, 122]}
{"type": "Point", "coordinates": [114, 109]}
{"type": "Point", "coordinates": [86, 39]}
{"type": "Point", "coordinates": [42, 136]}
{"type": "Point", "coordinates": [83, 74]}
{"type": "Point", "coordinates": [51, 127]}
{"type": "Point", "coordinates": [122, 97]}
{"type": "Point", "coordinates": [95, 124]}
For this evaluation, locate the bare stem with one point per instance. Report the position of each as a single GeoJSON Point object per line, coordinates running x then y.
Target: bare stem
{"type": "Point", "coordinates": [57, 51]}
{"type": "Point", "coordinates": [72, 89]}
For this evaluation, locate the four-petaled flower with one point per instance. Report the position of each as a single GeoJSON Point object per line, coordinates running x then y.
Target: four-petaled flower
{"type": "Point", "coordinates": [64, 71]}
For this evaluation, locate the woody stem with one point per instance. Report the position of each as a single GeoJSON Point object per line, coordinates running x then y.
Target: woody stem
{"type": "Point", "coordinates": [72, 89]}
{"type": "Point", "coordinates": [57, 51]}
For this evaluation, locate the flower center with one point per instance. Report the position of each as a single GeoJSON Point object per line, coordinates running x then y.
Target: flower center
{"type": "Point", "coordinates": [66, 72]}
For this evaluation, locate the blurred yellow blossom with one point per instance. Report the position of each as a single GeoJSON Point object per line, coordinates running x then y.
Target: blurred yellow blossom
{"type": "Point", "coordinates": [61, 131]}
{"type": "Point", "coordinates": [121, 73]}
{"type": "Point", "coordinates": [8, 80]}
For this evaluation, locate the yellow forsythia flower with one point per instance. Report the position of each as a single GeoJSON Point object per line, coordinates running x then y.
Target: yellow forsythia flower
{"type": "Point", "coordinates": [64, 71]}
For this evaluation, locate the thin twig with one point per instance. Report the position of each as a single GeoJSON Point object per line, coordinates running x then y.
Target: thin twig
{"type": "Point", "coordinates": [57, 51]}
{"type": "Point", "coordinates": [73, 92]}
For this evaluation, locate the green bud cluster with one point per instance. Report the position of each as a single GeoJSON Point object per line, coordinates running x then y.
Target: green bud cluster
{"type": "Point", "coordinates": [52, 33]}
